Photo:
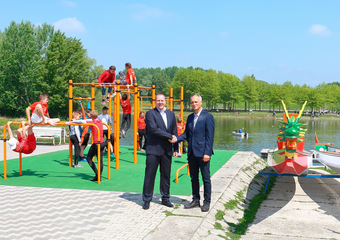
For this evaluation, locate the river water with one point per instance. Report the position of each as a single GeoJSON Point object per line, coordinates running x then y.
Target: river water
{"type": "Point", "coordinates": [262, 133]}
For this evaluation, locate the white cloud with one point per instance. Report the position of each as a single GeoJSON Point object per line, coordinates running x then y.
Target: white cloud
{"type": "Point", "coordinates": [253, 69]}
{"type": "Point", "coordinates": [70, 25]}
{"type": "Point", "coordinates": [69, 3]}
{"type": "Point", "coordinates": [318, 29]}
{"type": "Point", "coordinates": [143, 12]}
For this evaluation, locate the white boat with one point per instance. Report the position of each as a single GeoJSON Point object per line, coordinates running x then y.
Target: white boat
{"type": "Point", "coordinates": [330, 159]}
{"type": "Point", "coordinates": [242, 134]}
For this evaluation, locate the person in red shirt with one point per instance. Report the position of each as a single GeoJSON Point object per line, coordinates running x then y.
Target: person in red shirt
{"type": "Point", "coordinates": [130, 74]}
{"type": "Point", "coordinates": [108, 76]}
{"type": "Point", "coordinates": [25, 143]}
{"type": "Point", "coordinates": [141, 130]}
{"type": "Point", "coordinates": [126, 105]}
{"type": "Point", "coordinates": [40, 112]}
{"type": "Point", "coordinates": [94, 147]}
{"type": "Point", "coordinates": [180, 130]}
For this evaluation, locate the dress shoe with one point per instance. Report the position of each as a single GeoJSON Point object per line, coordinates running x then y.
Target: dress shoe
{"type": "Point", "coordinates": [146, 205]}
{"type": "Point", "coordinates": [205, 207]}
{"type": "Point", "coordinates": [167, 203]}
{"type": "Point", "coordinates": [192, 204]}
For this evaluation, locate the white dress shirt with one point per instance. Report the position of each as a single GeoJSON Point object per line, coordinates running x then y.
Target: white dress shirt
{"type": "Point", "coordinates": [196, 116]}
{"type": "Point", "coordinates": [163, 114]}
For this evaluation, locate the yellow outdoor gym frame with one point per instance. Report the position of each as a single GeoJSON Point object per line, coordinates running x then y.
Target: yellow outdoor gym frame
{"type": "Point", "coordinates": [59, 124]}
{"type": "Point", "coordinates": [116, 122]}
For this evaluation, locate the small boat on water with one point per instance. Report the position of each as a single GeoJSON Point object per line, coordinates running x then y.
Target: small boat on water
{"type": "Point", "coordinates": [242, 134]}
{"type": "Point", "coordinates": [329, 156]}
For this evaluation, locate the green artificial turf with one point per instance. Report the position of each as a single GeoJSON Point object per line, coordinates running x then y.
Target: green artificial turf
{"type": "Point", "coordinates": [51, 170]}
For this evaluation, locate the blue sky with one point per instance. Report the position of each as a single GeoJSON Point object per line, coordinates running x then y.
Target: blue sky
{"type": "Point", "coordinates": [276, 40]}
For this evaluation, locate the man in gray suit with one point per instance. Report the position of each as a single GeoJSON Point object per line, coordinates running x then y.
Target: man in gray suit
{"type": "Point", "coordinates": [199, 133]}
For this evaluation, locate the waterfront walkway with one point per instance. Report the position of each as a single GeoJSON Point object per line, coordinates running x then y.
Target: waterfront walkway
{"type": "Point", "coordinates": [295, 209]}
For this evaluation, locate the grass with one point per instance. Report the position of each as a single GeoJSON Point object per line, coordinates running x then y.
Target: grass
{"type": "Point", "coordinates": [168, 213]}
{"type": "Point", "coordinates": [219, 215]}
{"type": "Point", "coordinates": [240, 228]}
{"type": "Point", "coordinates": [51, 170]}
{"type": "Point", "coordinates": [250, 212]}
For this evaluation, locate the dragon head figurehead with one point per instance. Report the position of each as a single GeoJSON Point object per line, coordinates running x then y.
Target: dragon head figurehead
{"type": "Point", "coordinates": [291, 131]}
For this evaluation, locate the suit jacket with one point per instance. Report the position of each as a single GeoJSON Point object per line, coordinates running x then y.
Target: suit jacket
{"type": "Point", "coordinates": [200, 137]}
{"type": "Point", "coordinates": [158, 135]}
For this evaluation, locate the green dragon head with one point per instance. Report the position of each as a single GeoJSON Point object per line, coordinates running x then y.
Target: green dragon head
{"type": "Point", "coordinates": [292, 129]}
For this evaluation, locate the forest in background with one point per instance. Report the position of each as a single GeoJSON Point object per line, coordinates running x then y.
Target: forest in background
{"type": "Point", "coordinates": [37, 59]}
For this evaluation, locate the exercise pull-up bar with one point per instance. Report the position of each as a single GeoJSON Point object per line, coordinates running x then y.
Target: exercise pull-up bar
{"type": "Point", "coordinates": [59, 124]}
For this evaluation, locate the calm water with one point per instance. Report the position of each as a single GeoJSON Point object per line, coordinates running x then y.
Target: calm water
{"type": "Point", "coordinates": [262, 133]}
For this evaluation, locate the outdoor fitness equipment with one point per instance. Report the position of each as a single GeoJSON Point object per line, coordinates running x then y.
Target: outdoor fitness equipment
{"type": "Point", "coordinates": [116, 121]}
{"type": "Point", "coordinates": [59, 124]}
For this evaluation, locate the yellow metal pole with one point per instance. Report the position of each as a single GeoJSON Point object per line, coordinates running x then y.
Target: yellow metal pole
{"type": "Point", "coordinates": [141, 104]}
{"type": "Point", "coordinates": [70, 110]}
{"type": "Point", "coordinates": [92, 108]}
{"type": "Point", "coordinates": [182, 99]}
{"type": "Point", "coordinates": [181, 114]}
{"type": "Point", "coordinates": [153, 96]}
{"type": "Point", "coordinates": [135, 130]}
{"type": "Point", "coordinates": [108, 141]}
{"type": "Point", "coordinates": [108, 150]}
{"type": "Point", "coordinates": [117, 100]}
{"type": "Point", "coordinates": [5, 153]}
{"type": "Point", "coordinates": [177, 172]}
{"type": "Point", "coordinates": [20, 158]}
{"type": "Point", "coordinates": [114, 123]}
{"type": "Point", "coordinates": [92, 96]}
{"type": "Point", "coordinates": [20, 163]}
{"type": "Point", "coordinates": [98, 157]}
{"type": "Point", "coordinates": [171, 99]}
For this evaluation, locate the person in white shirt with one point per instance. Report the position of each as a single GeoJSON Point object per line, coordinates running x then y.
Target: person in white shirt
{"type": "Point", "coordinates": [105, 118]}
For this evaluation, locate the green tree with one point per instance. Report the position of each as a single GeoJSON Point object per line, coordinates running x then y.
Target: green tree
{"type": "Point", "coordinates": [262, 89]}
{"type": "Point", "coordinates": [250, 94]}
{"type": "Point", "coordinates": [330, 94]}
{"type": "Point", "coordinates": [20, 67]}
{"type": "Point", "coordinates": [146, 81]}
{"type": "Point", "coordinates": [189, 79]}
{"type": "Point", "coordinates": [66, 59]}
{"type": "Point", "coordinates": [274, 96]}
{"type": "Point", "coordinates": [209, 87]}
{"type": "Point", "coordinates": [160, 80]}
{"type": "Point", "coordinates": [314, 99]}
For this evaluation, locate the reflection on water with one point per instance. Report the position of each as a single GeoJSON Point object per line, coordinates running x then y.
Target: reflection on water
{"type": "Point", "coordinates": [262, 133]}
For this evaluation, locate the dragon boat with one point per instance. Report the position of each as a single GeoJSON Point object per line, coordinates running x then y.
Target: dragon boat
{"type": "Point", "coordinates": [328, 155]}
{"type": "Point", "coordinates": [291, 157]}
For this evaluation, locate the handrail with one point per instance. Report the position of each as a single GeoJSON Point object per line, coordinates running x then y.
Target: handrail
{"type": "Point", "coordinates": [177, 172]}
{"type": "Point", "coordinates": [59, 124]}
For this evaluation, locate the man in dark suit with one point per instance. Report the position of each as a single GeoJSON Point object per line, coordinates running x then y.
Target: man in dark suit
{"type": "Point", "coordinates": [161, 127]}
{"type": "Point", "coordinates": [199, 133]}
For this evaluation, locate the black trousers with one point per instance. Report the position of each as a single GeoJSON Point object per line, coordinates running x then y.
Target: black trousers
{"type": "Point", "coordinates": [195, 165]}
{"type": "Point", "coordinates": [86, 139]}
{"type": "Point", "coordinates": [75, 142]}
{"type": "Point", "coordinates": [106, 136]}
{"type": "Point", "coordinates": [112, 140]}
{"type": "Point", "coordinates": [126, 119]}
{"type": "Point", "coordinates": [94, 152]}
{"type": "Point", "coordinates": [141, 134]}
{"type": "Point", "coordinates": [151, 167]}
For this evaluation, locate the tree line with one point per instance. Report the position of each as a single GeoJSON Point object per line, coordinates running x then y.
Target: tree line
{"type": "Point", "coordinates": [36, 59]}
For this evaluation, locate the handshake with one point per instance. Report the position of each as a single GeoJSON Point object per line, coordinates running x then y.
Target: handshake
{"type": "Point", "coordinates": [174, 139]}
